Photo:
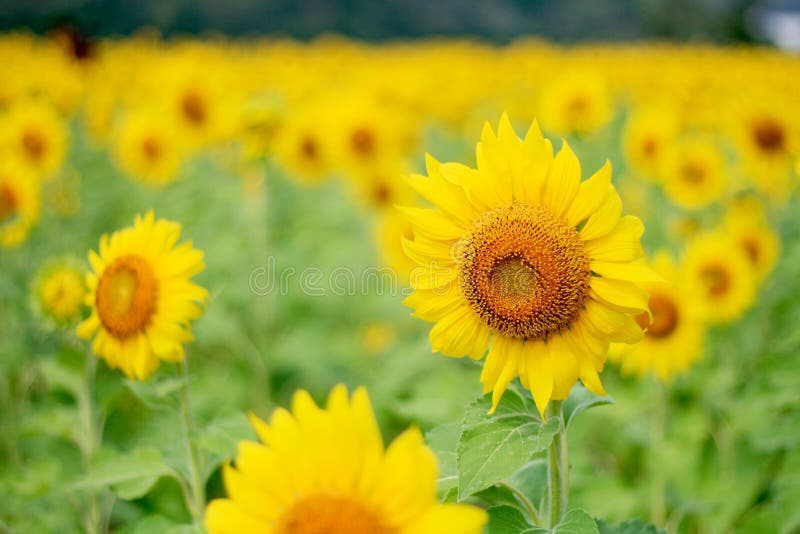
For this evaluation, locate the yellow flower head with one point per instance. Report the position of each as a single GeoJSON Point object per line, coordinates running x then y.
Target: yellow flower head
{"type": "Point", "coordinates": [36, 136]}
{"type": "Point", "coordinates": [60, 291]}
{"type": "Point", "coordinates": [302, 145]}
{"type": "Point", "coordinates": [694, 173]}
{"type": "Point", "coordinates": [647, 137]}
{"type": "Point", "coordinates": [142, 296]}
{"type": "Point", "coordinates": [148, 149]}
{"type": "Point", "coordinates": [674, 334]}
{"type": "Point", "coordinates": [747, 225]}
{"type": "Point", "coordinates": [578, 102]}
{"type": "Point", "coordinates": [720, 275]}
{"type": "Point", "coordinates": [522, 257]}
{"type": "Point", "coordinates": [325, 470]}
{"type": "Point", "coordinates": [20, 202]}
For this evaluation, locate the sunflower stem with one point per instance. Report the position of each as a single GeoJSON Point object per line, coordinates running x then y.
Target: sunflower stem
{"type": "Point", "coordinates": [557, 467]}
{"type": "Point", "coordinates": [89, 441]}
{"type": "Point", "coordinates": [658, 507]}
{"type": "Point", "coordinates": [197, 502]}
{"type": "Point", "coordinates": [525, 502]}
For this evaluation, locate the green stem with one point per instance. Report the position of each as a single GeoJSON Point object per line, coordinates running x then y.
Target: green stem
{"type": "Point", "coordinates": [557, 467]}
{"type": "Point", "coordinates": [658, 504]}
{"type": "Point", "coordinates": [197, 502]}
{"type": "Point", "coordinates": [525, 502]}
{"type": "Point", "coordinates": [89, 441]}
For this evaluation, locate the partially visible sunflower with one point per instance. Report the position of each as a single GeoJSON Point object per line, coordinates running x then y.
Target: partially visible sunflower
{"type": "Point", "coordinates": [694, 173]}
{"type": "Point", "coordinates": [577, 102]}
{"type": "Point", "coordinates": [302, 146]}
{"type": "Point", "coordinates": [325, 471]}
{"type": "Point", "coordinates": [36, 135]}
{"type": "Point", "coordinates": [381, 186]}
{"type": "Point", "coordinates": [747, 225]}
{"type": "Point", "coordinates": [720, 276]}
{"type": "Point", "coordinates": [142, 297]}
{"type": "Point", "coordinates": [648, 135]}
{"type": "Point", "coordinates": [523, 258]}
{"type": "Point", "coordinates": [20, 202]}
{"type": "Point", "coordinates": [59, 291]}
{"type": "Point", "coordinates": [148, 148]}
{"type": "Point", "coordinates": [674, 333]}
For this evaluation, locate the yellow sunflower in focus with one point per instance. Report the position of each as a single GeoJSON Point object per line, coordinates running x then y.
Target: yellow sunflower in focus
{"type": "Point", "coordinates": [523, 258]}
{"type": "Point", "coordinates": [147, 148]}
{"type": "Point", "coordinates": [694, 173]}
{"type": "Point", "coordinates": [142, 296]}
{"type": "Point", "coordinates": [674, 334]}
{"type": "Point", "coordinates": [36, 136]}
{"type": "Point", "coordinates": [720, 275]}
{"type": "Point", "coordinates": [60, 290]}
{"type": "Point", "coordinates": [646, 138]}
{"type": "Point", "coordinates": [325, 471]}
{"type": "Point", "coordinates": [20, 202]}
{"type": "Point", "coordinates": [579, 102]}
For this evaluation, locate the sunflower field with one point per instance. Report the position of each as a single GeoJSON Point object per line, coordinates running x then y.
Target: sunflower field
{"type": "Point", "coordinates": [435, 286]}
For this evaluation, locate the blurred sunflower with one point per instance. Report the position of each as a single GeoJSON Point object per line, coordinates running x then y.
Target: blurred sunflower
{"type": "Point", "coordinates": [674, 334]}
{"type": "Point", "coordinates": [748, 227]}
{"type": "Point", "coordinates": [141, 296]}
{"type": "Point", "coordinates": [325, 471]}
{"type": "Point", "coordinates": [381, 186]}
{"type": "Point", "coordinates": [524, 254]}
{"type": "Point", "coordinates": [720, 276]}
{"type": "Point", "coordinates": [302, 145]}
{"type": "Point", "coordinates": [647, 137]}
{"type": "Point", "coordinates": [59, 291]}
{"type": "Point", "coordinates": [36, 135]}
{"type": "Point", "coordinates": [147, 147]}
{"type": "Point", "coordinates": [577, 102]}
{"type": "Point", "coordinates": [391, 229]}
{"type": "Point", "coordinates": [694, 173]}
{"type": "Point", "coordinates": [20, 202]}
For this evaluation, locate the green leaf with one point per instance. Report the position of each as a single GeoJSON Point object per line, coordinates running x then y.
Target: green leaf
{"type": "Point", "coordinates": [581, 399]}
{"type": "Point", "coordinates": [222, 435]}
{"type": "Point", "coordinates": [156, 394]}
{"type": "Point", "coordinates": [491, 448]}
{"type": "Point", "coordinates": [634, 526]}
{"type": "Point", "coordinates": [506, 520]}
{"type": "Point", "coordinates": [59, 376]}
{"type": "Point", "coordinates": [531, 480]}
{"type": "Point", "coordinates": [574, 522]}
{"type": "Point", "coordinates": [443, 441]}
{"type": "Point", "coordinates": [129, 475]}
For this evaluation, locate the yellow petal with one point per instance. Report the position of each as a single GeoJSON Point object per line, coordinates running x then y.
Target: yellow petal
{"type": "Point", "coordinates": [450, 518]}
{"type": "Point", "coordinates": [625, 295]}
{"type": "Point", "coordinates": [604, 219]}
{"type": "Point", "coordinates": [592, 194]}
{"type": "Point", "coordinates": [621, 244]}
{"type": "Point", "coordinates": [562, 182]}
{"type": "Point", "coordinates": [616, 325]}
{"type": "Point", "coordinates": [633, 272]}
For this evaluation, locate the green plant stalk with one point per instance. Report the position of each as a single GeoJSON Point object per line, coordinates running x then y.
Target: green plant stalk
{"type": "Point", "coordinates": [658, 504]}
{"type": "Point", "coordinates": [557, 468]}
{"type": "Point", "coordinates": [89, 441]}
{"type": "Point", "coordinates": [197, 502]}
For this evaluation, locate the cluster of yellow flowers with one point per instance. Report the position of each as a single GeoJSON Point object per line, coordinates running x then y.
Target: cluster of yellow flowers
{"type": "Point", "coordinates": [519, 260]}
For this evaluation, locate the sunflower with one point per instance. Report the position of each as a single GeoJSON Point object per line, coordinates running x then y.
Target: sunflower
{"type": "Point", "coordinates": [721, 276]}
{"type": "Point", "coordinates": [694, 173]}
{"type": "Point", "coordinates": [59, 290]}
{"type": "Point", "coordinates": [36, 135]}
{"type": "Point", "coordinates": [522, 258]}
{"type": "Point", "coordinates": [578, 102]}
{"type": "Point", "coordinates": [647, 137]}
{"type": "Point", "coordinates": [674, 334]}
{"type": "Point", "coordinates": [747, 225]}
{"type": "Point", "coordinates": [20, 202]}
{"type": "Point", "coordinates": [389, 232]}
{"type": "Point", "coordinates": [148, 149]}
{"type": "Point", "coordinates": [325, 470]}
{"type": "Point", "coordinates": [380, 186]}
{"type": "Point", "coordinates": [302, 146]}
{"type": "Point", "coordinates": [141, 296]}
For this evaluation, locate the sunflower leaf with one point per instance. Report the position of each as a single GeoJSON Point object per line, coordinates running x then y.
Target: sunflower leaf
{"type": "Point", "coordinates": [581, 399]}
{"type": "Point", "coordinates": [505, 519]}
{"type": "Point", "coordinates": [491, 448]}
{"type": "Point", "coordinates": [129, 475]}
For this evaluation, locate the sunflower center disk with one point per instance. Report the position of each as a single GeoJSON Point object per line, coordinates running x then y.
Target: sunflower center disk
{"type": "Point", "coordinates": [524, 271]}
{"type": "Point", "coordinates": [8, 203]}
{"type": "Point", "coordinates": [126, 296]}
{"type": "Point", "coordinates": [716, 279]}
{"type": "Point", "coordinates": [194, 109]}
{"type": "Point", "coordinates": [769, 136]}
{"type": "Point", "coordinates": [34, 144]}
{"type": "Point", "coordinates": [324, 514]}
{"type": "Point", "coordinates": [665, 316]}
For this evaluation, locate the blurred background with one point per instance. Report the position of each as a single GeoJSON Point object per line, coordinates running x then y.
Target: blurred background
{"type": "Point", "coordinates": [721, 21]}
